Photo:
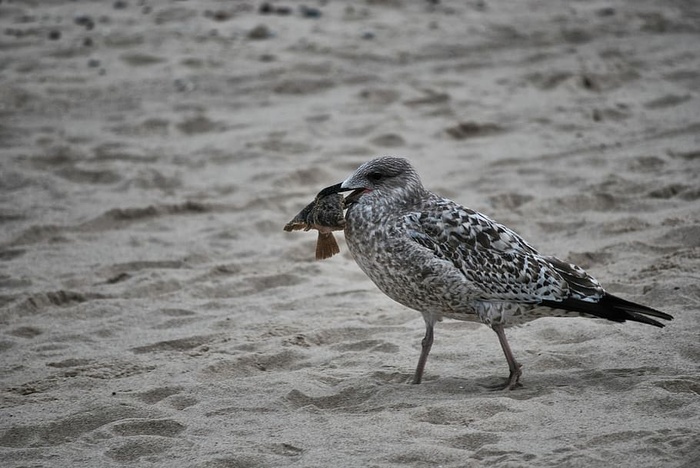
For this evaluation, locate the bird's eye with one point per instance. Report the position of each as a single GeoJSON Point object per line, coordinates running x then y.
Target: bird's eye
{"type": "Point", "coordinates": [375, 176]}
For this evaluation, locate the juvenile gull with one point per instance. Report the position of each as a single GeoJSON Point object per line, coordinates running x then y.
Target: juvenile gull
{"type": "Point", "coordinates": [444, 260]}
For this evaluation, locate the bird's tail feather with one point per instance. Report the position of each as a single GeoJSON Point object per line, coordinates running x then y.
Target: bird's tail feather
{"type": "Point", "coordinates": [612, 308]}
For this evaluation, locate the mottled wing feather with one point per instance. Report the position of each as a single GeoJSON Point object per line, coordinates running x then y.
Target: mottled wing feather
{"type": "Point", "coordinates": [581, 285]}
{"type": "Point", "coordinates": [494, 259]}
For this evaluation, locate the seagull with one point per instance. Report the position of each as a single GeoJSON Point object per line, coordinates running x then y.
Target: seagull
{"type": "Point", "coordinates": [444, 260]}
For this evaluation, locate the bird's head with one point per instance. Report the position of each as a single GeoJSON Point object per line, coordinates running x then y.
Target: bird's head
{"type": "Point", "coordinates": [386, 178]}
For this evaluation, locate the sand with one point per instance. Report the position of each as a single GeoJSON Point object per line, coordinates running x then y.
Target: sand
{"type": "Point", "coordinates": [154, 313]}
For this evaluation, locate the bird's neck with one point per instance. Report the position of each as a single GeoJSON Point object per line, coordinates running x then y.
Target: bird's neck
{"type": "Point", "coordinates": [378, 206]}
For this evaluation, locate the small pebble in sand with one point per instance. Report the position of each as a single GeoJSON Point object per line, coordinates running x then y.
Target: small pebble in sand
{"type": "Point", "coordinates": [269, 9]}
{"type": "Point", "coordinates": [259, 32]}
{"type": "Point", "coordinates": [464, 130]}
{"type": "Point", "coordinates": [86, 21]}
{"type": "Point", "coordinates": [309, 12]}
{"type": "Point", "coordinates": [218, 15]}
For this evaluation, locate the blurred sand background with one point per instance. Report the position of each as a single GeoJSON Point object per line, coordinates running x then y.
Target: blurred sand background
{"type": "Point", "coordinates": [154, 313]}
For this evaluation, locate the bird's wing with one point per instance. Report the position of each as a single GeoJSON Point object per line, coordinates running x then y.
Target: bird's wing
{"type": "Point", "coordinates": [582, 286]}
{"type": "Point", "coordinates": [496, 260]}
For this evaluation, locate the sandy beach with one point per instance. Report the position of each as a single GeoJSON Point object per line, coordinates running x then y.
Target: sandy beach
{"type": "Point", "coordinates": [153, 312]}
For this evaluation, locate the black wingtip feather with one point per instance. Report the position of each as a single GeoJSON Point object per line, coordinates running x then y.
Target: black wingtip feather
{"type": "Point", "coordinates": [612, 308]}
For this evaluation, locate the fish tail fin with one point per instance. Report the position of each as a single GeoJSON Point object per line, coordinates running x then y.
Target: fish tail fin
{"type": "Point", "coordinates": [326, 245]}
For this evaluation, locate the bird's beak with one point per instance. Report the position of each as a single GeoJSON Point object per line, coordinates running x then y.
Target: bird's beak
{"type": "Point", "coordinates": [337, 188]}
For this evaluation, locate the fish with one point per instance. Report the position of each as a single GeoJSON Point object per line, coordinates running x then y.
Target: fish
{"type": "Point", "coordinates": [324, 214]}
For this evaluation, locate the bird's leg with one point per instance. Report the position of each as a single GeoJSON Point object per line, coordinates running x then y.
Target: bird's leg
{"type": "Point", "coordinates": [426, 344]}
{"type": "Point", "coordinates": [513, 365]}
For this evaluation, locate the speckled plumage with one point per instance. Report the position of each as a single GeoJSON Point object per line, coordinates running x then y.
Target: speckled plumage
{"type": "Point", "coordinates": [444, 260]}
